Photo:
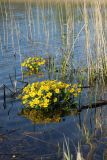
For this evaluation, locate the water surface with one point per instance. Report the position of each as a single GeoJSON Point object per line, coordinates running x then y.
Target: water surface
{"type": "Point", "coordinates": [44, 29]}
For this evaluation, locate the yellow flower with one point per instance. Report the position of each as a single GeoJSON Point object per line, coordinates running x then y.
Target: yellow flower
{"type": "Point", "coordinates": [25, 97]}
{"type": "Point", "coordinates": [39, 63]}
{"type": "Point", "coordinates": [42, 87]}
{"type": "Point", "coordinates": [46, 102]}
{"type": "Point", "coordinates": [40, 93]}
{"type": "Point", "coordinates": [59, 83]}
{"type": "Point", "coordinates": [79, 90]}
{"type": "Point", "coordinates": [35, 84]}
{"type": "Point", "coordinates": [32, 94]}
{"type": "Point", "coordinates": [22, 64]}
{"type": "Point", "coordinates": [49, 94]}
{"type": "Point", "coordinates": [33, 89]}
{"type": "Point", "coordinates": [43, 62]}
{"type": "Point", "coordinates": [75, 85]}
{"type": "Point", "coordinates": [25, 101]}
{"type": "Point", "coordinates": [75, 94]}
{"type": "Point", "coordinates": [36, 101]}
{"type": "Point", "coordinates": [45, 105]}
{"type": "Point", "coordinates": [26, 89]}
{"type": "Point", "coordinates": [53, 86]}
{"type": "Point", "coordinates": [46, 88]}
{"type": "Point", "coordinates": [30, 67]}
{"type": "Point", "coordinates": [42, 83]}
{"type": "Point", "coordinates": [57, 90]}
{"type": "Point", "coordinates": [71, 90]}
{"type": "Point", "coordinates": [31, 104]}
{"type": "Point", "coordinates": [67, 85]}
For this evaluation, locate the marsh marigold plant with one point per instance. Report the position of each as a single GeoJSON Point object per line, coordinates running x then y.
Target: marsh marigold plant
{"type": "Point", "coordinates": [49, 94]}
{"type": "Point", "coordinates": [32, 65]}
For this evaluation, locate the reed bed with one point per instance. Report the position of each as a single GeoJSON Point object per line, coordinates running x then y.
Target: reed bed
{"type": "Point", "coordinates": [96, 52]}
{"type": "Point", "coordinates": [93, 29]}
{"type": "Point", "coordinates": [62, 1]}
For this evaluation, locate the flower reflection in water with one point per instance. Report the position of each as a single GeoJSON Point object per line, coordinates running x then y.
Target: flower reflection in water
{"type": "Point", "coordinates": [47, 116]}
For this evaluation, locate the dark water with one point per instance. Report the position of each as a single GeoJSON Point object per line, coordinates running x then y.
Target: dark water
{"type": "Point", "coordinates": [41, 30]}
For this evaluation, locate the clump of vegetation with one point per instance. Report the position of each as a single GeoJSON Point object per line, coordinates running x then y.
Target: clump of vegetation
{"type": "Point", "coordinates": [49, 94]}
{"type": "Point", "coordinates": [33, 65]}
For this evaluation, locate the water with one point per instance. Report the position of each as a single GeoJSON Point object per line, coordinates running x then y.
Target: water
{"type": "Point", "coordinates": [41, 29]}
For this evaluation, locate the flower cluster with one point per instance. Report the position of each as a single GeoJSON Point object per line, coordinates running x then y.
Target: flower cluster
{"type": "Point", "coordinates": [33, 64]}
{"type": "Point", "coordinates": [49, 93]}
